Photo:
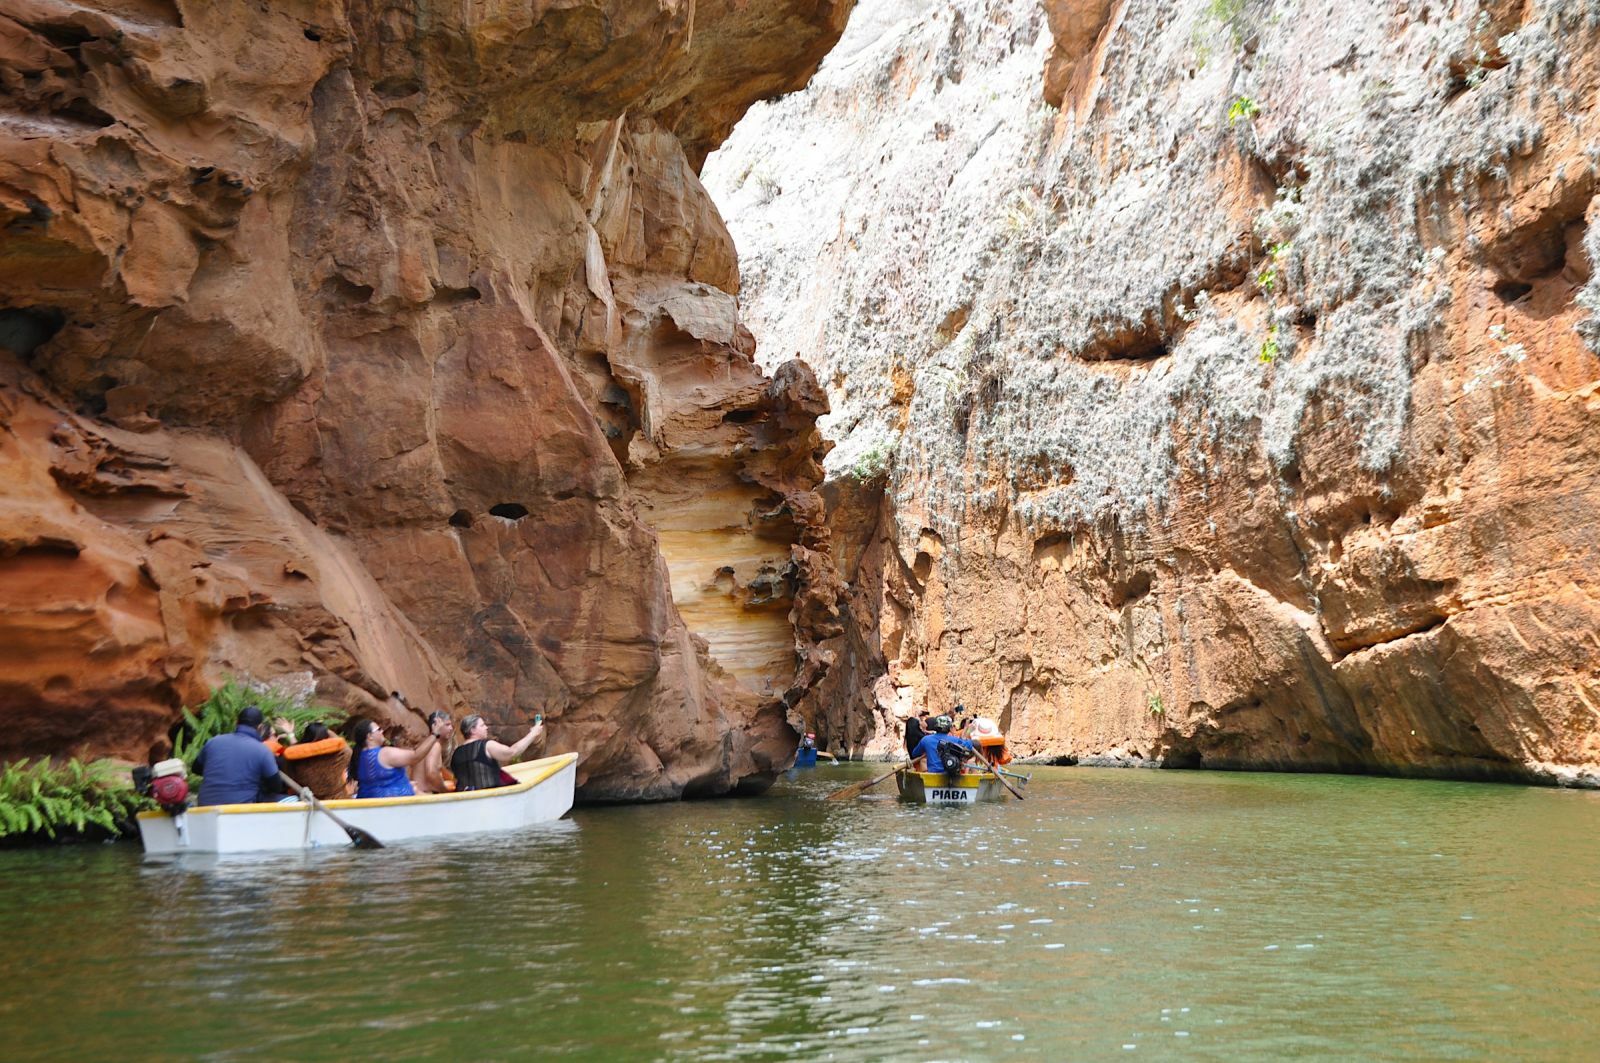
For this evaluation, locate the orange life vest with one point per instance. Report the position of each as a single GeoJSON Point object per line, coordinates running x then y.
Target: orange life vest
{"type": "Point", "coordinates": [307, 750]}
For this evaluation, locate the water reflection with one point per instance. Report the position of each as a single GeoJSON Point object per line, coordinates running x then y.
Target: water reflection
{"type": "Point", "coordinates": [1179, 913]}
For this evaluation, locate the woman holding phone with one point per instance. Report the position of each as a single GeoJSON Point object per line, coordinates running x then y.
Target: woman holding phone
{"type": "Point", "coordinates": [379, 769]}
{"type": "Point", "coordinates": [478, 764]}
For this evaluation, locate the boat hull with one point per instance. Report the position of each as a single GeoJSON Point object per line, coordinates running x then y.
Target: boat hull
{"type": "Point", "coordinates": [544, 792]}
{"type": "Point", "coordinates": [930, 788]}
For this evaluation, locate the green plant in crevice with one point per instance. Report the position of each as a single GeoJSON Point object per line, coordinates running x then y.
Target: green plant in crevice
{"type": "Point", "coordinates": [1157, 709]}
{"type": "Point", "coordinates": [874, 460]}
{"type": "Point", "coordinates": [43, 800]}
{"type": "Point", "coordinates": [1271, 347]}
{"type": "Point", "coordinates": [1242, 109]}
{"type": "Point", "coordinates": [1267, 276]}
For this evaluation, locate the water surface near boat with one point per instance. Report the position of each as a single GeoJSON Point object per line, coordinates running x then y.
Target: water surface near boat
{"type": "Point", "coordinates": [1112, 914]}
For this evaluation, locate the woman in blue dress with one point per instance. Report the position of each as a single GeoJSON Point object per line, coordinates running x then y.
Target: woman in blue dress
{"type": "Point", "coordinates": [379, 769]}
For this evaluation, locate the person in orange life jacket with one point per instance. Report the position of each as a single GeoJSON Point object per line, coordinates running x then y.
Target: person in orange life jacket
{"type": "Point", "coordinates": [427, 775]}
{"type": "Point", "coordinates": [378, 768]}
{"type": "Point", "coordinates": [238, 768]}
{"type": "Point", "coordinates": [927, 751]}
{"type": "Point", "coordinates": [477, 762]}
{"type": "Point", "coordinates": [320, 761]}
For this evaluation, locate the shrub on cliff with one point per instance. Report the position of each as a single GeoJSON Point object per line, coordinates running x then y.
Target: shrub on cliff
{"type": "Point", "coordinates": [219, 714]}
{"type": "Point", "coordinates": [41, 801]}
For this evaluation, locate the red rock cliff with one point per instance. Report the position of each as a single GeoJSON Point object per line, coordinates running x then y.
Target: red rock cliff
{"type": "Point", "coordinates": [397, 343]}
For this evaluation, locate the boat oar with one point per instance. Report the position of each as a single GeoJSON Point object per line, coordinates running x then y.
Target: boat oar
{"type": "Point", "coordinates": [856, 789]}
{"type": "Point", "coordinates": [998, 774]}
{"type": "Point", "coordinates": [358, 837]}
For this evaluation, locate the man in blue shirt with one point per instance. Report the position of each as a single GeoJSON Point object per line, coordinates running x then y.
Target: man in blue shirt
{"type": "Point", "coordinates": [238, 768]}
{"type": "Point", "coordinates": [928, 749]}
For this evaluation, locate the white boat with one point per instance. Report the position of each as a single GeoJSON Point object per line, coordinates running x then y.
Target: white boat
{"type": "Point", "coordinates": [543, 792]}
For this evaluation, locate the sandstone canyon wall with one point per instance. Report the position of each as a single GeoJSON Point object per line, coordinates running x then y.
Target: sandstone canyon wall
{"type": "Point", "coordinates": [398, 343]}
{"type": "Point", "coordinates": [1214, 382]}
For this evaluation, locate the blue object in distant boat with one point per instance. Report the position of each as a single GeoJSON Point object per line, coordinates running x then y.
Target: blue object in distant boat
{"type": "Point", "coordinates": [805, 757]}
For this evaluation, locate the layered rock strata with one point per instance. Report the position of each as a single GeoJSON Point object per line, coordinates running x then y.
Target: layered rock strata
{"type": "Point", "coordinates": [397, 343]}
{"type": "Point", "coordinates": [1215, 383]}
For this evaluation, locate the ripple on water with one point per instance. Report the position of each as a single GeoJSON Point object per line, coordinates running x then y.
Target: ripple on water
{"type": "Point", "coordinates": [790, 926]}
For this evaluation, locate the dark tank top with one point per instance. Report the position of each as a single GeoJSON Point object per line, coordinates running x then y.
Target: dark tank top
{"type": "Point", "coordinates": [474, 768]}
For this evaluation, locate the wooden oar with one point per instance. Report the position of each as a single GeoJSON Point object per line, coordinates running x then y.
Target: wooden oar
{"type": "Point", "coordinates": [998, 774]}
{"type": "Point", "coordinates": [856, 789]}
{"type": "Point", "coordinates": [358, 837]}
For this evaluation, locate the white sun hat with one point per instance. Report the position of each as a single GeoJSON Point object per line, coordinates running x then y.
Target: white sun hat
{"type": "Point", "coordinates": [983, 727]}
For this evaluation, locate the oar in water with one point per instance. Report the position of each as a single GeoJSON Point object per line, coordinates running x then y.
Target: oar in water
{"type": "Point", "coordinates": [856, 789]}
{"type": "Point", "coordinates": [358, 837]}
{"type": "Point", "coordinates": [998, 774]}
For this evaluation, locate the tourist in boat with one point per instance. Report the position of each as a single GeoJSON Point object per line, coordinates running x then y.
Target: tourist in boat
{"type": "Point", "coordinates": [320, 761]}
{"type": "Point", "coordinates": [926, 757]}
{"type": "Point", "coordinates": [427, 775]}
{"type": "Point", "coordinates": [916, 727]}
{"type": "Point", "coordinates": [478, 763]}
{"type": "Point", "coordinates": [237, 768]}
{"type": "Point", "coordinates": [379, 769]}
{"type": "Point", "coordinates": [985, 735]}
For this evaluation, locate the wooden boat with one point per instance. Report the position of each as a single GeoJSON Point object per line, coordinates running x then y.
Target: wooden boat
{"type": "Point", "coordinates": [937, 788]}
{"type": "Point", "coordinates": [543, 792]}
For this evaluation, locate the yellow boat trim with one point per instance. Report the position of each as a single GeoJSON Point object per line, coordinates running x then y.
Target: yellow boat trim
{"type": "Point", "coordinates": [530, 775]}
{"type": "Point", "coordinates": [941, 780]}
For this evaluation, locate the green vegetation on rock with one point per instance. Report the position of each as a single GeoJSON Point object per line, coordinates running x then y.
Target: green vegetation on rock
{"type": "Point", "coordinates": [41, 800]}
{"type": "Point", "coordinates": [219, 714]}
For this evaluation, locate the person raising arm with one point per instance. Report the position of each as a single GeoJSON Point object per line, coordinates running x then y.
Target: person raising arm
{"type": "Point", "coordinates": [477, 763]}
{"type": "Point", "coordinates": [378, 768]}
{"type": "Point", "coordinates": [427, 774]}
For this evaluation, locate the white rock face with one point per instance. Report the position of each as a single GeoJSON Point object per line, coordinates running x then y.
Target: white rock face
{"type": "Point", "coordinates": [920, 210]}
{"type": "Point", "coordinates": [1193, 357]}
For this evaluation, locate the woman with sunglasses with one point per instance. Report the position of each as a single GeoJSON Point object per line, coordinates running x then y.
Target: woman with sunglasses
{"type": "Point", "coordinates": [379, 769]}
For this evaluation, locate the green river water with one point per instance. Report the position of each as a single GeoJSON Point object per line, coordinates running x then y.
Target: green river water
{"type": "Point", "coordinates": [1113, 914]}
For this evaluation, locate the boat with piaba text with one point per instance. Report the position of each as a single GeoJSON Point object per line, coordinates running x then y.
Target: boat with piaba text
{"type": "Point", "coordinates": [941, 788]}
{"type": "Point", "coordinates": [543, 792]}
{"type": "Point", "coordinates": [978, 778]}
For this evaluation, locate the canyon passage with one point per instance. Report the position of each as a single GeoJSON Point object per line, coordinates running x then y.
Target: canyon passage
{"type": "Point", "coordinates": [1208, 384]}
{"type": "Point", "coordinates": [1201, 385]}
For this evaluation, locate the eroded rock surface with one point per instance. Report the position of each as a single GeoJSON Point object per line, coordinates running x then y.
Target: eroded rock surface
{"type": "Point", "coordinates": [1214, 384]}
{"type": "Point", "coordinates": [398, 343]}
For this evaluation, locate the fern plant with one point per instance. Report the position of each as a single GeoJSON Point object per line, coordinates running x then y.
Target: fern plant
{"type": "Point", "coordinates": [219, 714]}
{"type": "Point", "coordinates": [44, 800]}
